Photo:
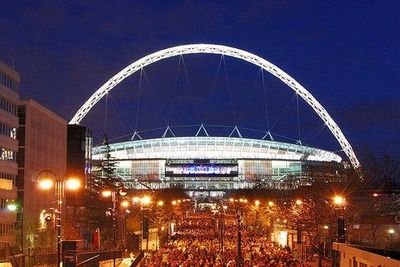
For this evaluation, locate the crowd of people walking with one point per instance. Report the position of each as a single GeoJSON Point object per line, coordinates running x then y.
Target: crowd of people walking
{"type": "Point", "coordinates": [202, 240]}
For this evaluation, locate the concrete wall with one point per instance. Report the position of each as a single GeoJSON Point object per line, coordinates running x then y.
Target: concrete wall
{"type": "Point", "coordinates": [44, 147]}
{"type": "Point", "coordinates": [349, 255]}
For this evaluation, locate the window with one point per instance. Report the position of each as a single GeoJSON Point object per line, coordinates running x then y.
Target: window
{"type": "Point", "coordinates": [7, 155]}
{"type": "Point", "coordinates": [8, 176]}
{"type": "Point", "coordinates": [8, 106]}
{"type": "Point", "coordinates": [9, 82]}
{"type": "Point", "coordinates": [8, 130]}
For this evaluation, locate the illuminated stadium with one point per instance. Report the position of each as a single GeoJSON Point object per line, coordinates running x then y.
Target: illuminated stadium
{"type": "Point", "coordinates": [218, 163]}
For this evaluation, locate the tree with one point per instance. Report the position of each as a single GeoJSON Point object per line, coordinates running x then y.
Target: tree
{"type": "Point", "coordinates": [107, 168]}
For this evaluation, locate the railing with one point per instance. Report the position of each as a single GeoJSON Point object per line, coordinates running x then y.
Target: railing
{"type": "Point", "coordinates": [6, 254]}
{"type": "Point", "coordinates": [103, 255]}
{"type": "Point", "coordinates": [138, 259]}
{"type": "Point", "coordinates": [89, 258]}
{"type": "Point", "coordinates": [41, 259]}
{"type": "Point", "coordinates": [92, 260]}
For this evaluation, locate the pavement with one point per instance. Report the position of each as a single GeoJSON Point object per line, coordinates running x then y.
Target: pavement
{"type": "Point", "coordinates": [325, 263]}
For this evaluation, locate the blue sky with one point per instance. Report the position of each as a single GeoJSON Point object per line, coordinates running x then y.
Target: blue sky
{"type": "Point", "coordinates": [345, 53]}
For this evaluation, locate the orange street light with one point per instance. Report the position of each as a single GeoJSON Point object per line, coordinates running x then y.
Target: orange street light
{"type": "Point", "coordinates": [125, 203]}
{"type": "Point", "coordinates": [46, 183]}
{"type": "Point", "coordinates": [338, 200]}
{"type": "Point", "coordinates": [257, 203]}
{"type": "Point", "coordinates": [122, 193]}
{"type": "Point", "coordinates": [46, 180]}
{"type": "Point", "coordinates": [136, 200]}
{"type": "Point", "coordinates": [174, 202]}
{"type": "Point", "coordinates": [73, 184]}
{"type": "Point", "coordinates": [106, 193]}
{"type": "Point", "coordinates": [160, 203]}
{"type": "Point", "coordinates": [299, 202]}
{"type": "Point", "coordinates": [270, 203]}
{"type": "Point", "coordinates": [145, 200]}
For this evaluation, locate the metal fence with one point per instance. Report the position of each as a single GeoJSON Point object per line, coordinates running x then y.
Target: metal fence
{"type": "Point", "coordinates": [87, 258]}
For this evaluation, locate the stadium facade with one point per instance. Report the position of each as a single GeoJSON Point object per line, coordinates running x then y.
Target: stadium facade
{"type": "Point", "coordinates": [214, 165]}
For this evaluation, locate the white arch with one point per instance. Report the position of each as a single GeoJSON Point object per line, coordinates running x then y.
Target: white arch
{"type": "Point", "coordinates": [227, 51]}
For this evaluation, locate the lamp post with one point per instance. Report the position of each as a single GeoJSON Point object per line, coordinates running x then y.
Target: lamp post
{"type": "Point", "coordinates": [47, 179]}
{"type": "Point", "coordinates": [160, 204]}
{"type": "Point", "coordinates": [14, 205]}
{"type": "Point", "coordinates": [239, 237]}
{"type": "Point", "coordinates": [125, 204]}
{"type": "Point", "coordinates": [237, 202]}
{"type": "Point", "coordinates": [339, 202]}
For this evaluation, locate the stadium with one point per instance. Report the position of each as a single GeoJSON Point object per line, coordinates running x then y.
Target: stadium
{"type": "Point", "coordinates": [212, 165]}
{"type": "Point", "coordinates": [205, 164]}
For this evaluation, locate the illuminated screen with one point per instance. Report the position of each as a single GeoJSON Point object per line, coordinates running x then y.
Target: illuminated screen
{"type": "Point", "coordinates": [201, 170]}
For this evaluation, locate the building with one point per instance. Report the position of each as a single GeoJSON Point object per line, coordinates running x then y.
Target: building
{"type": "Point", "coordinates": [209, 166]}
{"type": "Point", "coordinates": [83, 209]}
{"type": "Point", "coordinates": [42, 150]}
{"type": "Point", "coordinates": [9, 98]}
{"type": "Point", "coordinates": [350, 255]}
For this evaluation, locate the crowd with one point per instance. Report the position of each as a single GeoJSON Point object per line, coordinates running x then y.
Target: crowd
{"type": "Point", "coordinates": [199, 241]}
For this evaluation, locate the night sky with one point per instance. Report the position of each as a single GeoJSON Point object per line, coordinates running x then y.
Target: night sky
{"type": "Point", "coordinates": [346, 53]}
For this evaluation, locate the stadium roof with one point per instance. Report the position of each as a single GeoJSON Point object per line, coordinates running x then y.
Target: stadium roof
{"type": "Point", "coordinates": [207, 147]}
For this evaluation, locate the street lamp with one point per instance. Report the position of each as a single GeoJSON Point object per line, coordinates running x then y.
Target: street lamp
{"type": "Point", "coordinates": [46, 183]}
{"type": "Point", "coordinates": [106, 193]}
{"type": "Point", "coordinates": [145, 205]}
{"type": "Point", "coordinates": [125, 204]}
{"type": "Point", "coordinates": [11, 205]}
{"type": "Point", "coordinates": [113, 213]}
{"type": "Point", "coordinates": [47, 179]}
{"type": "Point", "coordinates": [239, 214]}
{"type": "Point", "coordinates": [339, 202]}
{"type": "Point", "coordinates": [146, 200]}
